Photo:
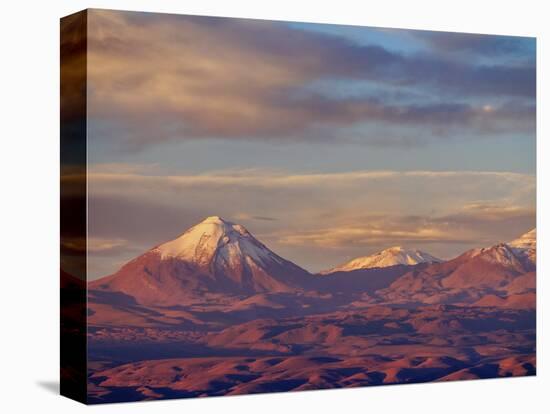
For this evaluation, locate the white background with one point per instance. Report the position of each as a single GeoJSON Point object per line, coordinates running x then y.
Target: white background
{"type": "Point", "coordinates": [29, 217]}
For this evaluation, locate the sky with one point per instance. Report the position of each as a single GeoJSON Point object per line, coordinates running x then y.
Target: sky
{"type": "Point", "coordinates": [326, 142]}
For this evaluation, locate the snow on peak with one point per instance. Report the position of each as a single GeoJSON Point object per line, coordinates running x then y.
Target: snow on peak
{"type": "Point", "coordinates": [525, 241]}
{"type": "Point", "coordinates": [498, 254]}
{"type": "Point", "coordinates": [526, 246]}
{"type": "Point", "coordinates": [216, 241]}
{"type": "Point", "coordinates": [213, 220]}
{"type": "Point", "coordinates": [393, 256]}
{"type": "Point", "coordinates": [516, 253]}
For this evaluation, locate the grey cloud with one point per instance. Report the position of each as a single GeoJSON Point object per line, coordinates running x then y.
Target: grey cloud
{"type": "Point", "coordinates": [191, 77]}
{"type": "Point", "coordinates": [475, 44]}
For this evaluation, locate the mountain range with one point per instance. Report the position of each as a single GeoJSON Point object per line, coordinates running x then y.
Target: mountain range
{"type": "Point", "coordinates": [222, 263]}
{"type": "Point", "coordinates": [216, 312]}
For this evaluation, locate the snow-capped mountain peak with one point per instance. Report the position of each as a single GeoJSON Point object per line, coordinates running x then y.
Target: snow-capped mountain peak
{"type": "Point", "coordinates": [214, 256]}
{"type": "Point", "coordinates": [392, 256]}
{"type": "Point", "coordinates": [526, 246]}
{"type": "Point", "coordinates": [526, 241]}
{"type": "Point", "coordinates": [517, 253]}
{"type": "Point", "coordinates": [499, 254]}
{"type": "Point", "coordinates": [216, 244]}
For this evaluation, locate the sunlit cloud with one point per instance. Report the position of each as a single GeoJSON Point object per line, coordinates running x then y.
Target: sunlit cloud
{"type": "Point", "coordinates": [96, 245]}
{"type": "Point", "coordinates": [343, 237]}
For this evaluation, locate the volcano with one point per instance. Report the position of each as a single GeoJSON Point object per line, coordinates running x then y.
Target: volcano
{"type": "Point", "coordinates": [215, 258]}
{"type": "Point", "coordinates": [393, 256]}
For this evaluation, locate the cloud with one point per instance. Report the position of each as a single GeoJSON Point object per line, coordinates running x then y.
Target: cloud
{"type": "Point", "coordinates": [73, 70]}
{"type": "Point", "coordinates": [95, 246]}
{"type": "Point", "coordinates": [123, 168]}
{"type": "Point", "coordinates": [476, 44]}
{"type": "Point", "coordinates": [266, 191]}
{"type": "Point", "coordinates": [487, 211]}
{"type": "Point", "coordinates": [162, 77]}
{"type": "Point", "coordinates": [265, 178]}
{"type": "Point", "coordinates": [244, 216]}
{"type": "Point", "coordinates": [372, 234]}
{"type": "Point", "coordinates": [474, 225]}
{"type": "Point", "coordinates": [99, 245]}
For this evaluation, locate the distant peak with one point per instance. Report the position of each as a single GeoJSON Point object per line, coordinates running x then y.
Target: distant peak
{"type": "Point", "coordinates": [395, 249]}
{"type": "Point", "coordinates": [392, 256]}
{"type": "Point", "coordinates": [205, 239]}
{"type": "Point", "coordinates": [525, 241]}
{"type": "Point", "coordinates": [215, 220]}
{"type": "Point", "coordinates": [530, 234]}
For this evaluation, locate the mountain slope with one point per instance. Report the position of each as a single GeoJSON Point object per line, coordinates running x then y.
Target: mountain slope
{"type": "Point", "coordinates": [389, 257]}
{"type": "Point", "coordinates": [502, 270]}
{"type": "Point", "coordinates": [213, 259]}
{"type": "Point", "coordinates": [526, 246]}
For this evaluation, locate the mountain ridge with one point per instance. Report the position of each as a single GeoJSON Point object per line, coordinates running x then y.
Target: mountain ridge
{"type": "Point", "coordinates": [221, 263]}
{"type": "Point", "coordinates": [499, 270]}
